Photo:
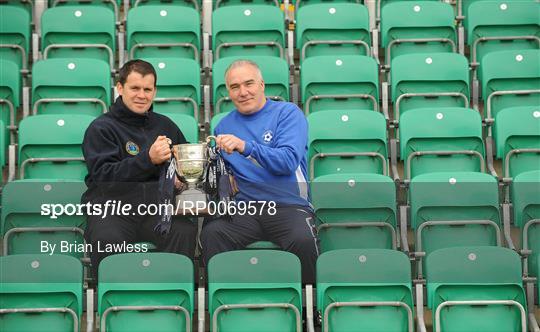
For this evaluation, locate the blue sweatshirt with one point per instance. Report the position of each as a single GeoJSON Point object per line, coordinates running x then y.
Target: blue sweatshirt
{"type": "Point", "coordinates": [273, 165]}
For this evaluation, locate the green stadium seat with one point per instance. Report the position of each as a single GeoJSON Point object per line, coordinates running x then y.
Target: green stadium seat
{"type": "Point", "coordinates": [476, 289]}
{"type": "Point", "coordinates": [15, 35]}
{"type": "Point", "coordinates": [79, 32]}
{"type": "Point", "coordinates": [41, 292]}
{"type": "Point", "coordinates": [344, 82]}
{"type": "Point", "coordinates": [525, 198]}
{"type": "Point", "coordinates": [196, 4]}
{"type": "Point", "coordinates": [10, 91]}
{"type": "Point", "coordinates": [255, 290]}
{"type": "Point", "coordinates": [364, 290]}
{"type": "Point", "coordinates": [333, 29]}
{"type": "Point", "coordinates": [215, 121]}
{"type": "Point", "coordinates": [353, 141]}
{"type": "Point", "coordinates": [146, 292]}
{"type": "Point", "coordinates": [113, 5]}
{"type": "Point", "coordinates": [501, 25]}
{"type": "Point", "coordinates": [29, 216]}
{"type": "Point", "coordinates": [178, 86]}
{"type": "Point", "coordinates": [163, 31]}
{"type": "Point", "coordinates": [50, 146]}
{"type": "Point", "coordinates": [453, 209]}
{"type": "Point", "coordinates": [187, 124]}
{"type": "Point", "coordinates": [222, 3]}
{"type": "Point", "coordinates": [417, 27]}
{"type": "Point", "coordinates": [263, 245]}
{"type": "Point", "coordinates": [517, 137]}
{"type": "Point", "coordinates": [300, 3]}
{"type": "Point", "coordinates": [517, 83]}
{"type": "Point", "coordinates": [248, 30]}
{"type": "Point", "coordinates": [24, 4]}
{"type": "Point", "coordinates": [439, 140]}
{"type": "Point", "coordinates": [381, 3]}
{"type": "Point", "coordinates": [429, 80]}
{"type": "Point", "coordinates": [465, 4]}
{"type": "Point", "coordinates": [274, 71]}
{"type": "Point", "coordinates": [355, 210]}
{"type": "Point", "coordinates": [73, 86]}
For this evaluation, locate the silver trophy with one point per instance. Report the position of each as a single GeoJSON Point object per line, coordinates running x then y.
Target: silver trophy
{"type": "Point", "coordinates": [191, 161]}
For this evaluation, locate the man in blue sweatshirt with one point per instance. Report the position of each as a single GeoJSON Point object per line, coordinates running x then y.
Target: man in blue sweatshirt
{"type": "Point", "coordinates": [264, 143]}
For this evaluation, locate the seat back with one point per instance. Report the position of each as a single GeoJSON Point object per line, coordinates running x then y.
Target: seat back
{"type": "Point", "coordinates": [216, 119]}
{"type": "Point", "coordinates": [222, 3]}
{"type": "Point", "coordinates": [525, 198]}
{"type": "Point", "coordinates": [515, 129]}
{"type": "Point", "coordinates": [34, 211]}
{"type": "Point", "coordinates": [423, 131]}
{"type": "Point", "coordinates": [41, 282]}
{"type": "Point", "coordinates": [275, 73]}
{"type": "Point", "coordinates": [454, 197]}
{"type": "Point", "coordinates": [254, 277]}
{"type": "Point", "coordinates": [112, 5]}
{"type": "Point", "coordinates": [165, 26]}
{"type": "Point", "coordinates": [406, 20]}
{"type": "Point", "coordinates": [10, 91]}
{"type": "Point", "coordinates": [187, 124]}
{"type": "Point", "coordinates": [346, 132]}
{"type": "Point", "coordinates": [520, 72]}
{"type": "Point", "coordinates": [71, 79]}
{"type": "Point", "coordinates": [79, 25]}
{"type": "Point", "coordinates": [300, 3]}
{"type": "Point", "coordinates": [242, 25]}
{"type": "Point", "coordinates": [145, 280]}
{"type": "Point", "coordinates": [333, 22]}
{"type": "Point", "coordinates": [15, 30]}
{"type": "Point", "coordinates": [177, 78]}
{"type": "Point", "coordinates": [24, 4]}
{"type": "Point", "coordinates": [185, 3]}
{"type": "Point", "coordinates": [465, 4]}
{"type": "Point", "coordinates": [475, 274]}
{"type": "Point", "coordinates": [349, 205]}
{"type": "Point", "coordinates": [501, 18]}
{"type": "Point", "coordinates": [352, 79]}
{"type": "Point", "coordinates": [52, 137]}
{"type": "Point", "coordinates": [431, 75]}
{"type": "Point", "coordinates": [350, 276]}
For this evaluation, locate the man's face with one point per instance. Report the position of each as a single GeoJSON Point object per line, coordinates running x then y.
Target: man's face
{"type": "Point", "coordinates": [138, 92]}
{"type": "Point", "coordinates": [246, 89]}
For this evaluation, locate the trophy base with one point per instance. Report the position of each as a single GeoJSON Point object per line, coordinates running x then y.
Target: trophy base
{"type": "Point", "coordinates": [191, 202]}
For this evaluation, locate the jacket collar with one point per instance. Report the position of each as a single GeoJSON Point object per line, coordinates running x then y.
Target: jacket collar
{"type": "Point", "coordinates": [122, 113]}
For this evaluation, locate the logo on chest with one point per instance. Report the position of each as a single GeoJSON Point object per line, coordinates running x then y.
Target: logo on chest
{"type": "Point", "coordinates": [132, 148]}
{"type": "Point", "coordinates": [268, 136]}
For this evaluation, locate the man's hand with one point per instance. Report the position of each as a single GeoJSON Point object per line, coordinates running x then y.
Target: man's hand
{"type": "Point", "coordinates": [160, 151]}
{"type": "Point", "coordinates": [230, 143]}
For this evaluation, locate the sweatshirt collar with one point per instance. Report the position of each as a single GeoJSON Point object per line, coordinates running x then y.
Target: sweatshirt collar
{"type": "Point", "coordinates": [122, 113]}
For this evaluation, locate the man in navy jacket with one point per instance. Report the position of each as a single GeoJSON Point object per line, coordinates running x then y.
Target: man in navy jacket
{"type": "Point", "coordinates": [125, 151]}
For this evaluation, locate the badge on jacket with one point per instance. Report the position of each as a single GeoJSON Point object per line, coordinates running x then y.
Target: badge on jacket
{"type": "Point", "coordinates": [132, 148]}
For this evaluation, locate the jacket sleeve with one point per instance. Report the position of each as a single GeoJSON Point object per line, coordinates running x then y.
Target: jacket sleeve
{"type": "Point", "coordinates": [103, 156]}
{"type": "Point", "coordinates": [290, 141]}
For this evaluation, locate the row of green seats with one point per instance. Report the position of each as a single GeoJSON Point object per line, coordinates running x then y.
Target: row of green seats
{"type": "Point", "coordinates": [470, 287]}
{"type": "Point", "coordinates": [336, 28]}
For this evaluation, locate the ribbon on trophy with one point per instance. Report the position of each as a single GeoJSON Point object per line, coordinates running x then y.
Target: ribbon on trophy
{"type": "Point", "coordinates": [166, 195]}
{"type": "Point", "coordinates": [218, 180]}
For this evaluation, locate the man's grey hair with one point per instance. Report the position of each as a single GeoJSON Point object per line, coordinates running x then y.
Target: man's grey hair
{"type": "Point", "coordinates": [241, 63]}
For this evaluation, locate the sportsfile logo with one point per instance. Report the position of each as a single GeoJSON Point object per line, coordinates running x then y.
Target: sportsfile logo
{"type": "Point", "coordinates": [117, 208]}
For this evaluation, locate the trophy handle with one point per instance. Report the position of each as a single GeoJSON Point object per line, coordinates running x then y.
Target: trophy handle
{"type": "Point", "coordinates": [211, 138]}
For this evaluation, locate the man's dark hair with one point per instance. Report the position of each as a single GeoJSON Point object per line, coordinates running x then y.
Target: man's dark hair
{"type": "Point", "coordinates": [139, 66]}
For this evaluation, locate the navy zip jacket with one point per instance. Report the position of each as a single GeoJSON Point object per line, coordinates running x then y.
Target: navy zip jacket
{"type": "Point", "coordinates": [116, 147]}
